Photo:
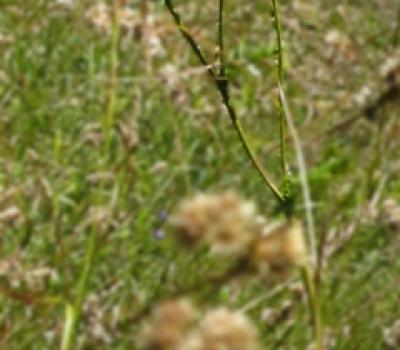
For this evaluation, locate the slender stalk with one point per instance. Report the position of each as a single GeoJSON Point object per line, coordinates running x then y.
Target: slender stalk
{"type": "Point", "coordinates": [282, 123]}
{"type": "Point", "coordinates": [314, 306]}
{"type": "Point", "coordinates": [73, 310]}
{"type": "Point", "coordinates": [396, 35]}
{"type": "Point", "coordinates": [287, 119]}
{"type": "Point", "coordinates": [243, 138]}
{"type": "Point", "coordinates": [221, 84]}
{"type": "Point", "coordinates": [308, 270]}
{"type": "Point", "coordinates": [312, 241]}
{"type": "Point", "coordinates": [196, 49]}
{"type": "Point", "coordinates": [221, 38]}
{"type": "Point", "coordinates": [114, 59]}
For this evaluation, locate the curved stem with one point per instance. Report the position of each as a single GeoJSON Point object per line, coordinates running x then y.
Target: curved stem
{"type": "Point", "coordinates": [250, 153]}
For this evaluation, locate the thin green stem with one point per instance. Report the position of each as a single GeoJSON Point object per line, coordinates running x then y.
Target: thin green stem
{"type": "Point", "coordinates": [114, 63]}
{"type": "Point", "coordinates": [301, 162]}
{"type": "Point", "coordinates": [73, 310]}
{"type": "Point", "coordinates": [396, 35]}
{"type": "Point", "coordinates": [196, 49]}
{"type": "Point", "coordinates": [221, 38]}
{"type": "Point", "coordinates": [221, 84]}
{"type": "Point", "coordinates": [314, 306]}
{"type": "Point", "coordinates": [282, 123]}
{"type": "Point", "coordinates": [242, 136]}
{"type": "Point", "coordinates": [287, 119]}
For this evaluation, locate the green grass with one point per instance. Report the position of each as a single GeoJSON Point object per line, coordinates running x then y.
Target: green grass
{"type": "Point", "coordinates": [53, 99]}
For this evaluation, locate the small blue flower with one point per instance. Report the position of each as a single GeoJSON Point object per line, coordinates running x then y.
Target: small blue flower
{"type": "Point", "coordinates": [162, 215]}
{"type": "Point", "coordinates": [159, 234]}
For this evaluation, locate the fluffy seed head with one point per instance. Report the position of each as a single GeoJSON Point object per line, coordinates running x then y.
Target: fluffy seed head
{"type": "Point", "coordinates": [194, 218]}
{"type": "Point", "coordinates": [225, 221]}
{"type": "Point", "coordinates": [222, 329]}
{"type": "Point", "coordinates": [281, 245]}
{"type": "Point", "coordinates": [390, 214]}
{"type": "Point", "coordinates": [168, 325]}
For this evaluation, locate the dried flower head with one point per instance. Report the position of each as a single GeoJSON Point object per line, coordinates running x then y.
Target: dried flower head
{"type": "Point", "coordinates": [390, 69]}
{"type": "Point", "coordinates": [10, 215]}
{"type": "Point", "coordinates": [168, 325]}
{"type": "Point", "coordinates": [128, 18]}
{"type": "Point", "coordinates": [194, 218]}
{"type": "Point", "coordinates": [390, 214]}
{"type": "Point", "coordinates": [225, 221]}
{"type": "Point", "coordinates": [222, 329]}
{"type": "Point", "coordinates": [280, 245]}
{"type": "Point", "coordinates": [392, 335]}
{"type": "Point", "coordinates": [99, 16]}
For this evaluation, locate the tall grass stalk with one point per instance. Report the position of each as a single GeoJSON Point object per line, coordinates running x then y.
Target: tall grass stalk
{"type": "Point", "coordinates": [396, 36]}
{"type": "Point", "coordinates": [73, 310]}
{"type": "Point", "coordinates": [282, 123]}
{"type": "Point", "coordinates": [308, 269]}
{"type": "Point", "coordinates": [314, 305]}
{"type": "Point", "coordinates": [114, 59]}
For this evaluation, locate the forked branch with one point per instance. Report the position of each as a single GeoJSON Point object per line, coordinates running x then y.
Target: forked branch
{"type": "Point", "coordinates": [222, 84]}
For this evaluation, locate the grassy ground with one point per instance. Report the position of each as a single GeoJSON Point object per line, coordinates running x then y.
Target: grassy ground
{"type": "Point", "coordinates": [172, 138]}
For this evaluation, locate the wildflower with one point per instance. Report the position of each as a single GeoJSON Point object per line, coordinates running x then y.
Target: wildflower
{"type": "Point", "coordinates": [96, 316]}
{"type": "Point", "coordinates": [194, 218]}
{"type": "Point", "coordinates": [128, 18]}
{"type": "Point", "coordinates": [166, 329]}
{"type": "Point", "coordinates": [159, 234]}
{"type": "Point", "coordinates": [227, 223]}
{"type": "Point", "coordinates": [99, 16]}
{"type": "Point", "coordinates": [390, 214]}
{"type": "Point", "coordinates": [390, 70]}
{"type": "Point", "coordinates": [10, 215]}
{"type": "Point", "coordinates": [162, 215]}
{"type": "Point", "coordinates": [222, 329]}
{"type": "Point", "coordinates": [280, 245]}
{"type": "Point", "coordinates": [36, 279]}
{"type": "Point", "coordinates": [392, 335]}
{"type": "Point", "coordinates": [66, 3]}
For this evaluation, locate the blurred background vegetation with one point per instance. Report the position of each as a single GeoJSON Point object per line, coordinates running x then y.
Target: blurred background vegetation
{"type": "Point", "coordinates": [172, 137]}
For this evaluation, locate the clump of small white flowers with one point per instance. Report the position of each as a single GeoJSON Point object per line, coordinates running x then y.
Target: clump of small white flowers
{"type": "Point", "coordinates": [226, 222]}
